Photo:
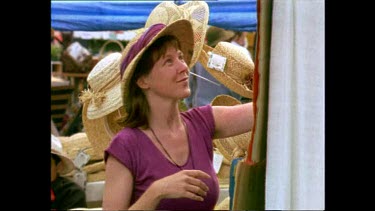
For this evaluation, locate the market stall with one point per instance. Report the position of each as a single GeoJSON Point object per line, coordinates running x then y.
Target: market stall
{"type": "Point", "coordinates": [237, 15]}
{"type": "Point", "coordinates": [124, 16]}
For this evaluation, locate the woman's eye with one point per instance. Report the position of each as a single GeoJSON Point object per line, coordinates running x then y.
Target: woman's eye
{"type": "Point", "coordinates": [168, 61]}
{"type": "Point", "coordinates": [181, 58]}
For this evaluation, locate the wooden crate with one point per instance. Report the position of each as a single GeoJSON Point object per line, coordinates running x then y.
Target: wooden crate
{"type": "Point", "coordinates": [60, 100]}
{"type": "Point", "coordinates": [56, 68]}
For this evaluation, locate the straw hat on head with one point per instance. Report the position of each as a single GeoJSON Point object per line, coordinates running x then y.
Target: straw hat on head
{"type": "Point", "coordinates": [228, 146]}
{"type": "Point", "coordinates": [238, 70]}
{"type": "Point", "coordinates": [215, 35]}
{"type": "Point", "coordinates": [56, 148]}
{"type": "Point", "coordinates": [181, 29]}
{"type": "Point", "coordinates": [194, 11]}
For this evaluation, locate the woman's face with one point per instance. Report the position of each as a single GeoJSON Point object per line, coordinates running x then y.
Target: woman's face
{"type": "Point", "coordinates": [169, 76]}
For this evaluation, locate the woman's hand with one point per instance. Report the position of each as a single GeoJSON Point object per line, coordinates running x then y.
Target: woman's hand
{"type": "Point", "coordinates": [183, 184]}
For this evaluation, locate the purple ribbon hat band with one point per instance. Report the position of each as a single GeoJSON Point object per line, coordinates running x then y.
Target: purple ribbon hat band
{"type": "Point", "coordinates": [147, 36]}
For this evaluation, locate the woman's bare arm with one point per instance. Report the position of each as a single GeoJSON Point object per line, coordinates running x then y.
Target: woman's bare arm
{"type": "Point", "coordinates": [233, 120]}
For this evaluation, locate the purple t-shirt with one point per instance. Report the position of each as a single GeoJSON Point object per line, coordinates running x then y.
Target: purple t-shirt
{"type": "Point", "coordinates": [136, 151]}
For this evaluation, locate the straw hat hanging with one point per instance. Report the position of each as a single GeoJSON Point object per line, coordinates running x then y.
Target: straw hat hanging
{"type": "Point", "coordinates": [196, 12]}
{"type": "Point", "coordinates": [238, 70]}
{"type": "Point", "coordinates": [57, 149]}
{"type": "Point", "coordinates": [79, 142]}
{"type": "Point", "coordinates": [102, 102]}
{"type": "Point", "coordinates": [233, 146]}
{"type": "Point", "coordinates": [215, 35]}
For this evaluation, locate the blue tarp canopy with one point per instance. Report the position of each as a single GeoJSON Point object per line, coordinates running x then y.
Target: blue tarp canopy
{"type": "Point", "coordinates": [126, 15]}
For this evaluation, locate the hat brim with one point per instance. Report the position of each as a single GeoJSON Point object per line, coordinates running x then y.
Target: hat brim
{"type": "Point", "coordinates": [66, 161]}
{"type": "Point", "coordinates": [225, 35]}
{"type": "Point", "coordinates": [222, 77]}
{"type": "Point", "coordinates": [226, 146]}
{"type": "Point", "coordinates": [194, 11]}
{"type": "Point", "coordinates": [112, 102]}
{"type": "Point", "coordinates": [101, 130]}
{"type": "Point", "coordinates": [181, 29]}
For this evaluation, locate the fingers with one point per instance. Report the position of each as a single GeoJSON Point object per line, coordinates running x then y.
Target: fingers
{"type": "Point", "coordinates": [193, 196]}
{"type": "Point", "coordinates": [196, 190]}
{"type": "Point", "coordinates": [198, 183]}
{"type": "Point", "coordinates": [186, 183]}
{"type": "Point", "coordinates": [197, 174]}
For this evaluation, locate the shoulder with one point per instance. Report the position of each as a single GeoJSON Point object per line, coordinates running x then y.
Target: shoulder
{"type": "Point", "coordinates": [201, 116]}
{"type": "Point", "coordinates": [125, 143]}
{"type": "Point", "coordinates": [201, 112]}
{"type": "Point", "coordinates": [126, 136]}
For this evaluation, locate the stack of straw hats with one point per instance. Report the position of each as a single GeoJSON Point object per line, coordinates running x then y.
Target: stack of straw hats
{"type": "Point", "coordinates": [57, 149]}
{"type": "Point", "coordinates": [77, 143]}
{"type": "Point", "coordinates": [231, 147]}
{"type": "Point", "coordinates": [102, 102]}
{"type": "Point", "coordinates": [196, 12]}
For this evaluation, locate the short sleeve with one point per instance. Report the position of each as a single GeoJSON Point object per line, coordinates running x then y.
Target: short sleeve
{"type": "Point", "coordinates": [123, 148]}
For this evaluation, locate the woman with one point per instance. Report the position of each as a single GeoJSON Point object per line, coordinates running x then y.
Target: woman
{"type": "Point", "coordinates": [162, 159]}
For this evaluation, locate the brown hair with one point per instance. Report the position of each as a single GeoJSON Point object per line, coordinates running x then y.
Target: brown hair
{"type": "Point", "coordinates": [137, 107]}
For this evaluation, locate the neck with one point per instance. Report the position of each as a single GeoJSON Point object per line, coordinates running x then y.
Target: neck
{"type": "Point", "coordinates": [164, 115]}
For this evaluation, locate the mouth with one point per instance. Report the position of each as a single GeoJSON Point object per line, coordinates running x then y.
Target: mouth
{"type": "Point", "coordinates": [183, 79]}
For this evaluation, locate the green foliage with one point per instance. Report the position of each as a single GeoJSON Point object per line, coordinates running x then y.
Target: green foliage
{"type": "Point", "coordinates": [56, 51]}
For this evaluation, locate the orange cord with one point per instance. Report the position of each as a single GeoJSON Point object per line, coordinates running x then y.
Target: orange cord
{"type": "Point", "coordinates": [255, 91]}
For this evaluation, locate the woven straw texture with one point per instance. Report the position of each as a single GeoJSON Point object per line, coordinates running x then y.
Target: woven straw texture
{"type": "Point", "coordinates": [97, 176]}
{"type": "Point", "coordinates": [194, 11]}
{"type": "Point", "coordinates": [233, 146]}
{"type": "Point", "coordinates": [104, 94]}
{"type": "Point", "coordinates": [58, 149]}
{"type": "Point", "coordinates": [79, 142]}
{"type": "Point", "coordinates": [239, 67]}
{"type": "Point", "coordinates": [101, 130]}
{"type": "Point", "coordinates": [181, 29]}
{"type": "Point", "coordinates": [94, 167]}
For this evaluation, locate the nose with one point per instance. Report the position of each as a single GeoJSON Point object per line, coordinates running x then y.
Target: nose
{"type": "Point", "coordinates": [182, 66]}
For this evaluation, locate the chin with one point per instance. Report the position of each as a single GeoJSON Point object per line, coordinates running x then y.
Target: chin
{"type": "Point", "coordinates": [186, 93]}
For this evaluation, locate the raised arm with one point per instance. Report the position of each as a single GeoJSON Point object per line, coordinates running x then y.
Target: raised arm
{"type": "Point", "coordinates": [233, 120]}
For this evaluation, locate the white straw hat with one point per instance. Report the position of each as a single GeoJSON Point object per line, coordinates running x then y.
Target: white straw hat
{"type": "Point", "coordinates": [57, 149]}
{"type": "Point", "coordinates": [101, 129]}
{"type": "Point", "coordinates": [104, 94]}
{"type": "Point", "coordinates": [196, 12]}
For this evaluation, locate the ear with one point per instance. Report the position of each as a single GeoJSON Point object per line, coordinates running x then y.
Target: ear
{"type": "Point", "coordinates": [143, 82]}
